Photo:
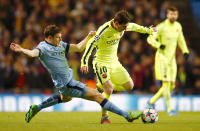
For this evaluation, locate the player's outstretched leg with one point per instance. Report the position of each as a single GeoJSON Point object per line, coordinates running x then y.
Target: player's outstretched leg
{"type": "Point", "coordinates": [34, 109]}
{"type": "Point", "coordinates": [94, 95]}
{"type": "Point", "coordinates": [31, 113]}
{"type": "Point", "coordinates": [128, 116]}
{"type": "Point", "coordinates": [134, 115]}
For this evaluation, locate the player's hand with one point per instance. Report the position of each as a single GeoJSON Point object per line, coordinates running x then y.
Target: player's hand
{"type": "Point", "coordinates": [162, 47]}
{"type": "Point", "coordinates": [84, 69]}
{"type": "Point", "coordinates": [92, 33]}
{"type": "Point", "coordinates": [186, 55]}
{"type": "Point", "coordinates": [15, 47]}
{"type": "Point", "coordinates": [154, 28]}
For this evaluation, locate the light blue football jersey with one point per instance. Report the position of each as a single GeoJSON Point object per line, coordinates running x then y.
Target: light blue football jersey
{"type": "Point", "coordinates": [54, 60]}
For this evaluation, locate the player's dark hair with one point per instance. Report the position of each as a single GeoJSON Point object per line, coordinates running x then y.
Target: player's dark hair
{"type": "Point", "coordinates": [51, 30]}
{"type": "Point", "coordinates": [122, 17]}
{"type": "Point", "coordinates": [172, 8]}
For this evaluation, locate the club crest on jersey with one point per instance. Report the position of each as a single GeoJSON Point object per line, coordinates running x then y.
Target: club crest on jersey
{"type": "Point", "coordinates": [97, 37]}
{"type": "Point", "coordinates": [104, 75]}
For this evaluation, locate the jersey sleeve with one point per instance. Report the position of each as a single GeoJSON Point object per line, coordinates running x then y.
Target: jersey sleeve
{"type": "Point", "coordinates": [138, 28]}
{"type": "Point", "coordinates": [181, 42]}
{"type": "Point", "coordinates": [66, 46]}
{"type": "Point", "coordinates": [41, 49]}
{"type": "Point", "coordinates": [91, 44]}
{"type": "Point", "coordinates": [154, 39]}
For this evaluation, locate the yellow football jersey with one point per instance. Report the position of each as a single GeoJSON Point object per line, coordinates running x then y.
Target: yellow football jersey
{"type": "Point", "coordinates": [106, 41]}
{"type": "Point", "coordinates": [168, 34]}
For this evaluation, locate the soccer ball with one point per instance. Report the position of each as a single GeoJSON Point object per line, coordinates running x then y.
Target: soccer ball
{"type": "Point", "coordinates": [149, 116]}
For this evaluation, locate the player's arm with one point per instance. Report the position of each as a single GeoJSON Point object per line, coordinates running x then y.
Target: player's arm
{"type": "Point", "coordinates": [153, 40]}
{"type": "Point", "coordinates": [84, 60]}
{"type": "Point", "coordinates": [182, 43]}
{"type": "Point", "coordinates": [141, 29]}
{"type": "Point", "coordinates": [31, 53]}
{"type": "Point", "coordinates": [91, 44]}
{"type": "Point", "coordinates": [81, 46]}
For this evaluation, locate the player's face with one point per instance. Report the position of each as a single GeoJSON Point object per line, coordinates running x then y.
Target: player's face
{"type": "Point", "coordinates": [172, 16]}
{"type": "Point", "coordinates": [57, 38]}
{"type": "Point", "coordinates": [121, 27]}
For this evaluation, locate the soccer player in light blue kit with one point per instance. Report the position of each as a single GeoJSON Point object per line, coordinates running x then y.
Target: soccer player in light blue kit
{"type": "Point", "coordinates": [51, 53]}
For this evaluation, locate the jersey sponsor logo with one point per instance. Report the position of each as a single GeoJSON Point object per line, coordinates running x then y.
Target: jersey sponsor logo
{"type": "Point", "coordinates": [113, 42]}
{"type": "Point", "coordinates": [57, 53]}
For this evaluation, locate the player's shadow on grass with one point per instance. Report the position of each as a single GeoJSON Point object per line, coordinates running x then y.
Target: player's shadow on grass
{"type": "Point", "coordinates": [115, 123]}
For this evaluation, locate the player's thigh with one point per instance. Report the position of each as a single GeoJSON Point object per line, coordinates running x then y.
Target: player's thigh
{"type": "Point", "coordinates": [158, 69]}
{"type": "Point", "coordinates": [102, 72]}
{"type": "Point", "coordinates": [74, 89]}
{"type": "Point", "coordinates": [119, 75]}
{"type": "Point", "coordinates": [161, 70]}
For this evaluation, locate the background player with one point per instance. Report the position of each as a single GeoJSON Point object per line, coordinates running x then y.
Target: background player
{"type": "Point", "coordinates": [51, 53]}
{"type": "Point", "coordinates": [109, 71]}
{"type": "Point", "coordinates": [165, 40]}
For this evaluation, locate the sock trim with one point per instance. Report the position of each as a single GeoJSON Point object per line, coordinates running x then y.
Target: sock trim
{"type": "Point", "coordinates": [104, 102]}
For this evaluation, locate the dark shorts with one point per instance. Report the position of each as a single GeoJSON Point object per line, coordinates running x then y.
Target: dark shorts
{"type": "Point", "coordinates": [74, 89]}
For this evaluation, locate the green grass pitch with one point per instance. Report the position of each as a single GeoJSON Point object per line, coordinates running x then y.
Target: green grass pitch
{"type": "Point", "coordinates": [90, 121]}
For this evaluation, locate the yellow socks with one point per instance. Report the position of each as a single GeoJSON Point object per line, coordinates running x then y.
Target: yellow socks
{"type": "Point", "coordinates": [105, 112]}
{"type": "Point", "coordinates": [157, 95]}
{"type": "Point", "coordinates": [167, 96]}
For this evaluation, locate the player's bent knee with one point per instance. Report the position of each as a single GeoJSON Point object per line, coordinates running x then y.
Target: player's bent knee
{"type": "Point", "coordinates": [98, 97]}
{"type": "Point", "coordinates": [93, 95]}
{"type": "Point", "coordinates": [66, 98]}
{"type": "Point", "coordinates": [129, 86]}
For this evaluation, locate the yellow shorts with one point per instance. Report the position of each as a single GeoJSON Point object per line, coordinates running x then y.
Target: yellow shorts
{"type": "Point", "coordinates": [165, 71]}
{"type": "Point", "coordinates": [116, 73]}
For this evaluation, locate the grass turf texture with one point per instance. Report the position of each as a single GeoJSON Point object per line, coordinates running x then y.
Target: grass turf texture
{"type": "Point", "coordinates": [90, 121]}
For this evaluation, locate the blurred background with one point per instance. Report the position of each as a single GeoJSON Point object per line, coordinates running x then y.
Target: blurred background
{"type": "Point", "coordinates": [23, 21]}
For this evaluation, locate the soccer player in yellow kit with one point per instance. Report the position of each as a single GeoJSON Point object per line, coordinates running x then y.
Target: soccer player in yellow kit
{"type": "Point", "coordinates": [110, 73]}
{"type": "Point", "coordinates": [169, 33]}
